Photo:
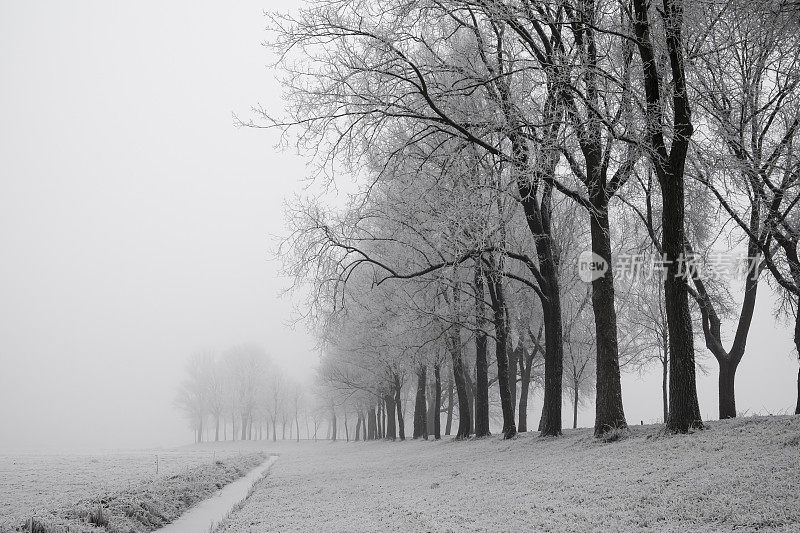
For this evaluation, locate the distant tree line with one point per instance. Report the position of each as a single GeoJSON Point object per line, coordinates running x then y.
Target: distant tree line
{"type": "Point", "coordinates": [240, 394]}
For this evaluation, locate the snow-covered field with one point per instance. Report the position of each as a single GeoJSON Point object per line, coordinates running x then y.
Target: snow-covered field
{"type": "Point", "coordinates": [741, 475]}
{"type": "Point", "coordinates": [36, 483]}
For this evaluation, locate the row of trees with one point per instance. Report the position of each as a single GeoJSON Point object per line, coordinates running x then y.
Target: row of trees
{"type": "Point", "coordinates": [491, 143]}
{"type": "Point", "coordinates": [242, 389]}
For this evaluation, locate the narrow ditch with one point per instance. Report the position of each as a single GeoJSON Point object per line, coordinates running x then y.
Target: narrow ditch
{"type": "Point", "coordinates": [204, 515]}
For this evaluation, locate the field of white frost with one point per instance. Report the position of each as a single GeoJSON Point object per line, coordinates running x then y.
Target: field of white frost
{"type": "Point", "coordinates": [36, 484]}
{"type": "Point", "coordinates": [739, 475]}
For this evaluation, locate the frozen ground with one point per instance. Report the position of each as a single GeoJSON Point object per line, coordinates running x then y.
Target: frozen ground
{"type": "Point", "coordinates": [36, 483]}
{"type": "Point", "coordinates": [741, 475]}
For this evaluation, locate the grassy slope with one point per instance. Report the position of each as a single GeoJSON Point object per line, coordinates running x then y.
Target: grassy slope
{"type": "Point", "coordinates": [35, 482]}
{"type": "Point", "coordinates": [146, 506]}
{"type": "Point", "coordinates": [742, 474]}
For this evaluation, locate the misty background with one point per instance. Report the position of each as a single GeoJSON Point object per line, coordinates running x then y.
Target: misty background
{"type": "Point", "coordinates": [138, 225]}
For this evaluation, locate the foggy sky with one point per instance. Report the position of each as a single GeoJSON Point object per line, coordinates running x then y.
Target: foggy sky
{"type": "Point", "coordinates": [137, 224]}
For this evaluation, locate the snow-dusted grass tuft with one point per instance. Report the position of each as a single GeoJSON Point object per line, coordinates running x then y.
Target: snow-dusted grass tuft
{"type": "Point", "coordinates": [738, 475]}
{"type": "Point", "coordinates": [615, 434]}
{"type": "Point", "coordinates": [98, 517]}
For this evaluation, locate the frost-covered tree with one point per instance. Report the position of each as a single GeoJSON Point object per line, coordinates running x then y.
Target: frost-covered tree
{"type": "Point", "coordinates": [248, 365]}
{"type": "Point", "coordinates": [744, 72]}
{"type": "Point", "coordinates": [389, 70]}
{"type": "Point", "coordinates": [194, 393]}
{"type": "Point", "coordinates": [466, 126]}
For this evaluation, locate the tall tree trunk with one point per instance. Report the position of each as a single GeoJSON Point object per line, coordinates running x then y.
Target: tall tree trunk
{"type": "Point", "coordinates": [381, 420]}
{"type": "Point", "coordinates": [449, 421]}
{"type": "Point", "coordinates": [609, 413]}
{"type": "Point", "coordinates": [464, 418]}
{"type": "Point", "coordinates": [514, 357]}
{"type": "Point", "coordinates": [358, 428]}
{"type": "Point", "coordinates": [385, 420]}
{"type": "Point", "coordinates": [537, 215]}
{"type": "Point", "coordinates": [363, 418]}
{"type": "Point", "coordinates": [797, 347]}
{"type": "Point", "coordinates": [372, 424]}
{"type": "Point", "coordinates": [550, 421]}
{"type": "Point", "coordinates": [470, 384]}
{"type": "Point", "coordinates": [797, 407]}
{"type": "Point", "coordinates": [497, 294]}
{"type": "Point", "coordinates": [481, 363]}
{"type": "Point", "coordinates": [389, 417]}
{"type": "Point", "coordinates": [437, 376]}
{"type": "Point", "coordinates": [420, 405]}
{"type": "Point", "coordinates": [430, 395]}
{"type": "Point", "coordinates": [524, 389]}
{"type": "Point", "coordinates": [363, 425]}
{"type": "Point", "coordinates": [684, 409]}
{"type": "Point", "coordinates": [727, 395]}
{"type": "Point", "coordinates": [274, 431]}
{"type": "Point", "coordinates": [244, 426]}
{"type": "Point", "coordinates": [575, 407]}
{"type": "Point", "coordinates": [526, 380]}
{"type": "Point", "coordinates": [216, 431]}
{"type": "Point", "coordinates": [346, 430]}
{"type": "Point", "coordinates": [401, 426]}
{"type": "Point", "coordinates": [333, 425]}
{"type": "Point", "coordinates": [665, 384]}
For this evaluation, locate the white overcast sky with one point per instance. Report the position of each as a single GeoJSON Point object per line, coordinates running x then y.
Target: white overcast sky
{"type": "Point", "coordinates": [136, 223]}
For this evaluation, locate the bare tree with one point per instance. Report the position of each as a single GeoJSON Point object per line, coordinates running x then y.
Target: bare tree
{"type": "Point", "coordinates": [669, 164]}
{"type": "Point", "coordinates": [193, 394]}
{"type": "Point", "coordinates": [746, 70]}
{"type": "Point", "coordinates": [248, 365]}
{"type": "Point", "coordinates": [401, 86]}
{"type": "Point", "coordinates": [276, 400]}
